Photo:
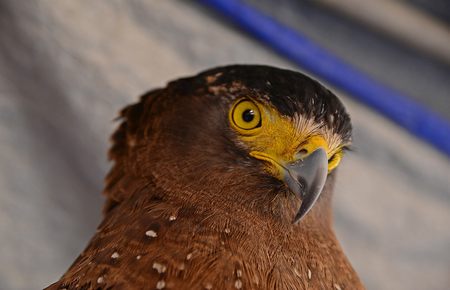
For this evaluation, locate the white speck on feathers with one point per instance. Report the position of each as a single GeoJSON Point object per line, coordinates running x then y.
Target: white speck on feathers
{"type": "Point", "coordinates": [160, 268]}
{"type": "Point", "coordinates": [297, 273]}
{"type": "Point", "coordinates": [337, 287]}
{"type": "Point", "coordinates": [227, 231]}
{"type": "Point", "coordinates": [208, 286]}
{"type": "Point", "coordinates": [138, 257]}
{"type": "Point", "coordinates": [151, 234]}
{"type": "Point", "coordinates": [172, 218]}
{"type": "Point", "coordinates": [189, 256]}
{"type": "Point", "coordinates": [238, 284]}
{"type": "Point", "coordinates": [309, 274]}
{"type": "Point", "coordinates": [161, 284]}
{"type": "Point", "coordinates": [100, 280]}
{"type": "Point", "coordinates": [115, 255]}
{"type": "Point", "coordinates": [239, 273]}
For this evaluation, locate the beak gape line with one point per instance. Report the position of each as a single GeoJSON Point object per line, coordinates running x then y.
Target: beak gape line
{"type": "Point", "coordinates": [306, 178]}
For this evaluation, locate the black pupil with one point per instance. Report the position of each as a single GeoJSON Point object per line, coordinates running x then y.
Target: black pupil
{"type": "Point", "coordinates": [248, 115]}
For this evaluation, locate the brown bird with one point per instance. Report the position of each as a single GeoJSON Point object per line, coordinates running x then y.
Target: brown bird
{"type": "Point", "coordinates": [213, 186]}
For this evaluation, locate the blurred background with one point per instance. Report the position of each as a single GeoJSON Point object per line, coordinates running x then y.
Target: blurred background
{"type": "Point", "coordinates": [68, 67]}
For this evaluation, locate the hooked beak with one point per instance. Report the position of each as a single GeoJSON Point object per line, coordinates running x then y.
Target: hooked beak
{"type": "Point", "coordinates": [306, 178]}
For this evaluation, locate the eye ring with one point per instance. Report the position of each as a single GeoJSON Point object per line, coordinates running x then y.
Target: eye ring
{"type": "Point", "coordinates": [334, 160]}
{"type": "Point", "coordinates": [245, 115]}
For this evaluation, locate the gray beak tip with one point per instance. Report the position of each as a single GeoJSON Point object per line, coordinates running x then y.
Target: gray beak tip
{"type": "Point", "coordinates": [307, 179]}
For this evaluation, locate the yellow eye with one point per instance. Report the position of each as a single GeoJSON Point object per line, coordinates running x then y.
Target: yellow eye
{"type": "Point", "coordinates": [245, 115]}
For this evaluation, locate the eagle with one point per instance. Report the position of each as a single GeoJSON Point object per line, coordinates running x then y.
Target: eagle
{"type": "Point", "coordinates": [222, 180]}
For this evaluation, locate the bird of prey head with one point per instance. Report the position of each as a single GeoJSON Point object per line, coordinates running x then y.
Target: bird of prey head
{"type": "Point", "coordinates": [267, 127]}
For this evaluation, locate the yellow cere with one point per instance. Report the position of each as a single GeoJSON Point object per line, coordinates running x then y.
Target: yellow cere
{"type": "Point", "coordinates": [279, 139]}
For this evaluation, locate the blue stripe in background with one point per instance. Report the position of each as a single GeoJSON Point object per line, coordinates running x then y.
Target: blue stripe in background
{"type": "Point", "coordinates": [417, 119]}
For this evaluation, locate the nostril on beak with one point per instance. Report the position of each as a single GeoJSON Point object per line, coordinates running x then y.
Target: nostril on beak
{"type": "Point", "coordinates": [301, 154]}
{"type": "Point", "coordinates": [303, 151]}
